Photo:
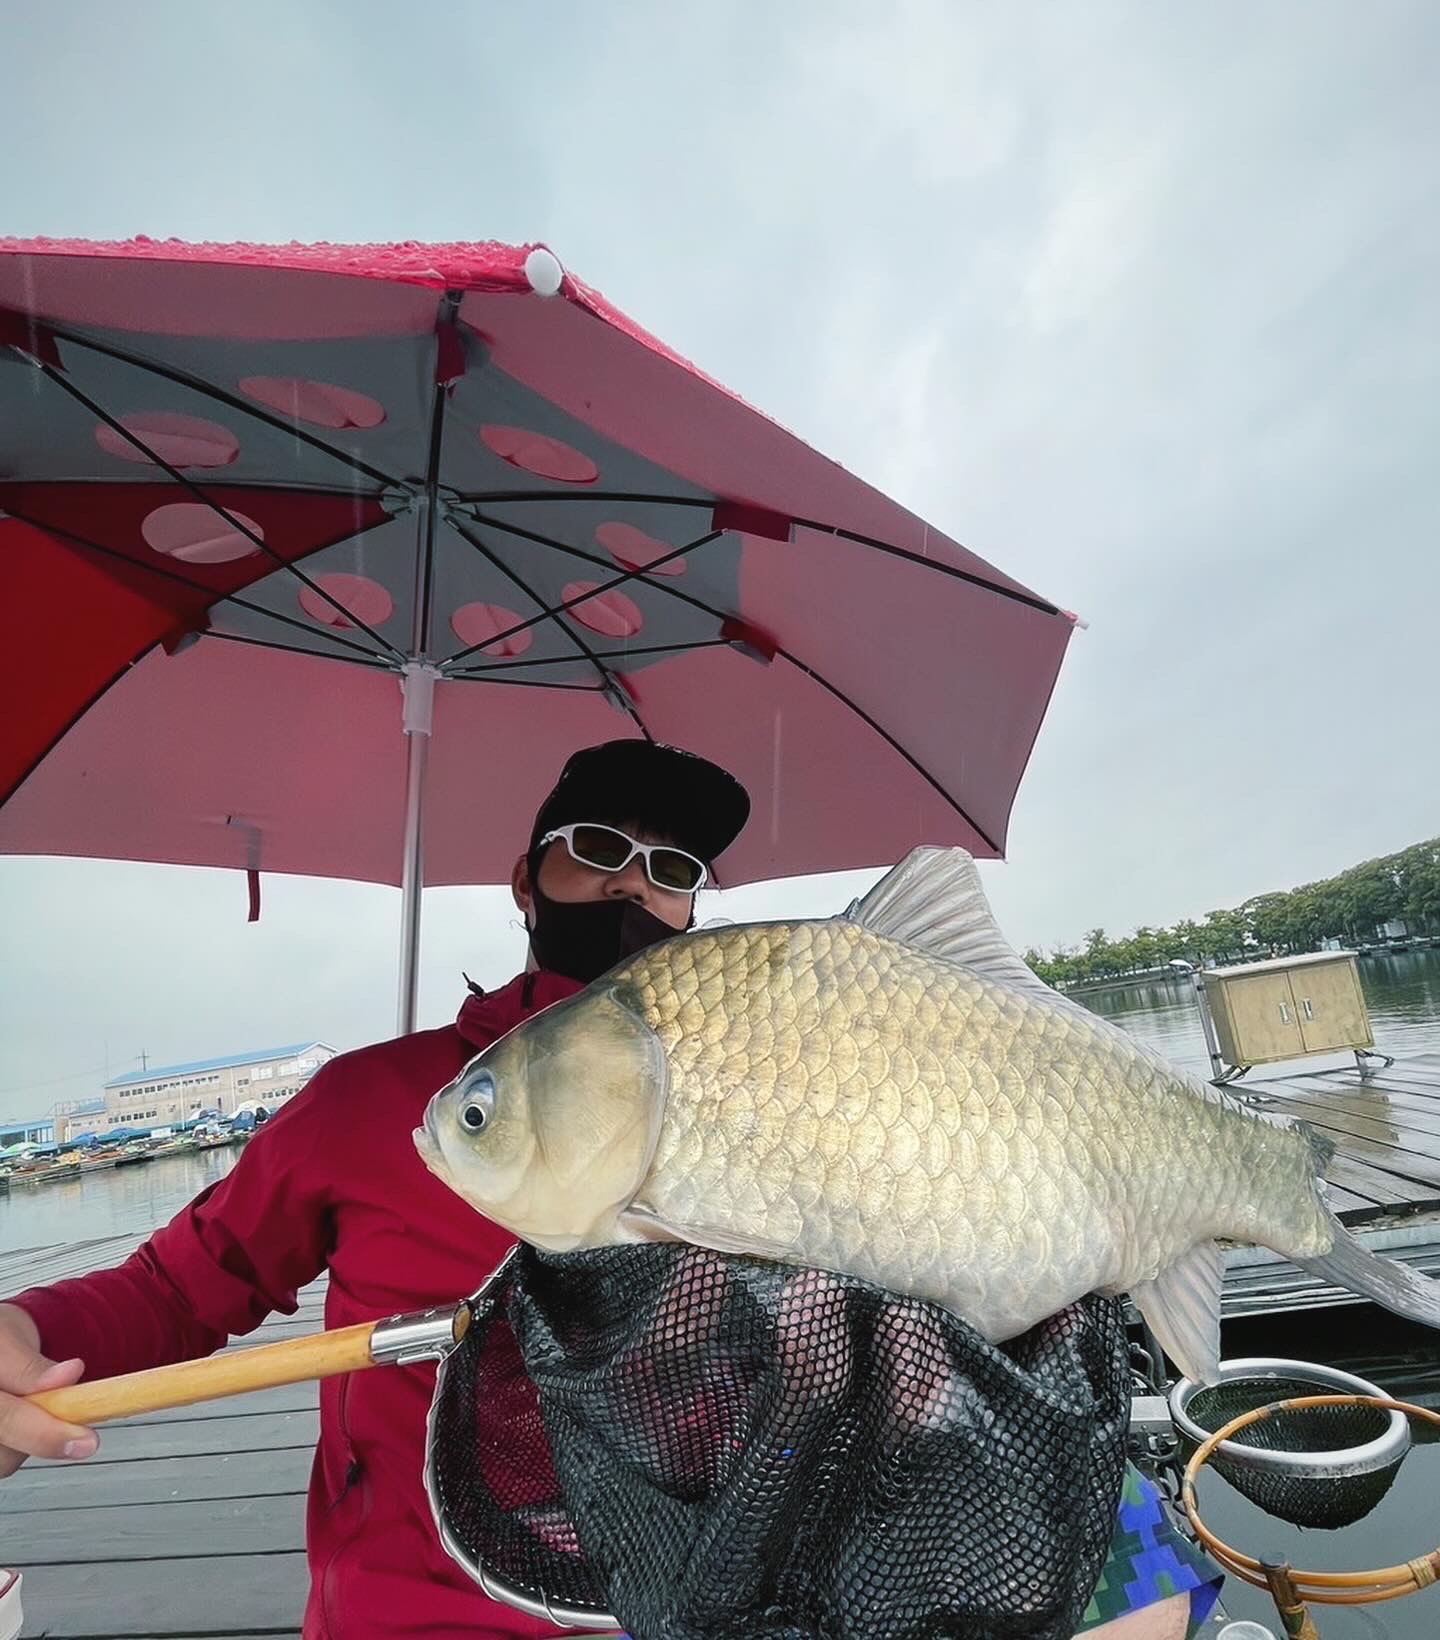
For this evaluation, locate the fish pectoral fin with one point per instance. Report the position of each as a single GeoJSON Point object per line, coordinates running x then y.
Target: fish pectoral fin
{"type": "Point", "coordinates": [1182, 1308]}
{"type": "Point", "coordinates": [646, 1225]}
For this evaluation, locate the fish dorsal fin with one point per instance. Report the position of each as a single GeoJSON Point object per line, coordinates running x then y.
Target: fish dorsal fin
{"type": "Point", "coordinates": [933, 901]}
{"type": "Point", "coordinates": [1182, 1306]}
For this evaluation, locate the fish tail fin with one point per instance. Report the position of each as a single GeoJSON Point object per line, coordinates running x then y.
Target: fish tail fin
{"type": "Point", "coordinates": [1350, 1264]}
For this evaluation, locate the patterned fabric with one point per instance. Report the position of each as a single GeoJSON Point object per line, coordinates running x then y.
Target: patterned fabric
{"type": "Point", "coordinates": [1150, 1561]}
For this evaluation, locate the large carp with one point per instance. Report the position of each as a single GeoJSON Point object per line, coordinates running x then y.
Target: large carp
{"type": "Point", "coordinates": [894, 1094]}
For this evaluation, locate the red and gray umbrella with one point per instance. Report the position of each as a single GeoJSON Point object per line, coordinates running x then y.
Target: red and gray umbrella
{"type": "Point", "coordinates": [322, 559]}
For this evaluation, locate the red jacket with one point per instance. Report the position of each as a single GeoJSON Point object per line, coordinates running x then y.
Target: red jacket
{"type": "Point", "coordinates": [332, 1182]}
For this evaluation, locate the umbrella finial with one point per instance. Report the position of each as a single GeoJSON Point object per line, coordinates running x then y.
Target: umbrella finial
{"type": "Point", "coordinates": [544, 272]}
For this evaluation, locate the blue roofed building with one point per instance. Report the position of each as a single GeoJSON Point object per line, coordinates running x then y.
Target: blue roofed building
{"type": "Point", "coordinates": [78, 1117]}
{"type": "Point", "coordinates": [160, 1095]}
{"type": "Point", "coordinates": [30, 1130]}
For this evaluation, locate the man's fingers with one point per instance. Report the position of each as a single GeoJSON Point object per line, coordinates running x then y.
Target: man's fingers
{"type": "Point", "coordinates": [26, 1429]}
{"type": "Point", "coordinates": [56, 1374]}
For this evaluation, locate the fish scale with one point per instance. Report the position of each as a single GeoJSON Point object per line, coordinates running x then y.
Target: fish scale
{"type": "Point", "coordinates": [893, 1094]}
{"type": "Point", "coordinates": [858, 1018]}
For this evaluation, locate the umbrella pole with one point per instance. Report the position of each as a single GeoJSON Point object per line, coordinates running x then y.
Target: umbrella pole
{"type": "Point", "coordinates": [418, 689]}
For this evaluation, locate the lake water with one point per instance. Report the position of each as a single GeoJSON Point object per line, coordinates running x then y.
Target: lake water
{"type": "Point", "coordinates": [1403, 994]}
{"type": "Point", "coordinates": [118, 1201]}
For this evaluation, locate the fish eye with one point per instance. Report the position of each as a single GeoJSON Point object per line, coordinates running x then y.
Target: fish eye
{"type": "Point", "coordinates": [480, 1105]}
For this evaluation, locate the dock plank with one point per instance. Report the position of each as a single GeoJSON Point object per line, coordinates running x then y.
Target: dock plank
{"type": "Point", "coordinates": [1354, 1209]}
{"type": "Point", "coordinates": [1380, 1124]}
{"type": "Point", "coordinates": [1412, 1106]}
{"type": "Point", "coordinates": [1411, 1164]}
{"type": "Point", "coordinates": [243, 1432]}
{"type": "Point", "coordinates": [254, 1594]}
{"type": "Point", "coordinates": [1405, 1075]}
{"type": "Point", "coordinates": [1412, 1094]}
{"type": "Point", "coordinates": [92, 1485]}
{"type": "Point", "coordinates": [1395, 1193]}
{"type": "Point", "coordinates": [1369, 1119]}
{"type": "Point", "coordinates": [156, 1531]}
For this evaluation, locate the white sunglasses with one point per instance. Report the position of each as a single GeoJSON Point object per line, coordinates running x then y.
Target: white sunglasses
{"type": "Point", "coordinates": [605, 849]}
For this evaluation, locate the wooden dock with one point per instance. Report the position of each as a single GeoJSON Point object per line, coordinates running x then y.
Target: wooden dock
{"type": "Point", "coordinates": [190, 1523]}
{"type": "Point", "coordinates": [187, 1523]}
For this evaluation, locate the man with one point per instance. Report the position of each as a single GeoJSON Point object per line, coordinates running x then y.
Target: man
{"type": "Point", "coordinates": [333, 1183]}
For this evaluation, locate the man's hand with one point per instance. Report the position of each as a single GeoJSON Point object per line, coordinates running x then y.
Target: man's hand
{"type": "Point", "coordinates": [26, 1431]}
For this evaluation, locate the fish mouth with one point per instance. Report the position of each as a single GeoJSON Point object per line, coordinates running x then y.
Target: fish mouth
{"type": "Point", "coordinates": [427, 1143]}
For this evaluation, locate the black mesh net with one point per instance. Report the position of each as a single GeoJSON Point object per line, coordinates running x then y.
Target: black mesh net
{"type": "Point", "coordinates": [1338, 1491]}
{"type": "Point", "coordinates": [717, 1447]}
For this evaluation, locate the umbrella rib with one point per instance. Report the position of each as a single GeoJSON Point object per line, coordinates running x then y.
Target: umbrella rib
{"type": "Point", "coordinates": [890, 741]}
{"type": "Point", "coordinates": [246, 408]}
{"type": "Point", "coordinates": [600, 655]}
{"type": "Point", "coordinates": [364, 657]}
{"type": "Point", "coordinates": [526, 683]}
{"type": "Point", "coordinates": [377, 664]}
{"type": "Point", "coordinates": [794, 660]}
{"type": "Point", "coordinates": [547, 613]}
{"type": "Point", "coordinates": [1013, 594]}
{"type": "Point", "coordinates": [66, 727]}
{"type": "Point", "coordinates": [57, 377]}
{"type": "Point", "coordinates": [523, 534]}
{"type": "Point", "coordinates": [335, 492]}
{"type": "Point", "coordinates": [612, 688]}
{"type": "Point", "coordinates": [165, 574]}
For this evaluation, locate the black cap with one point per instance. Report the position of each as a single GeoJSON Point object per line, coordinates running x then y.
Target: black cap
{"type": "Point", "coordinates": [696, 804]}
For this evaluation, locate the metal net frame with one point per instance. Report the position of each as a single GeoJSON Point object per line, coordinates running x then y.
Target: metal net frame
{"type": "Point", "coordinates": [1325, 1467]}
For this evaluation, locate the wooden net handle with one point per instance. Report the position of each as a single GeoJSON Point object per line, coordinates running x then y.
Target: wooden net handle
{"type": "Point", "coordinates": [322, 1355]}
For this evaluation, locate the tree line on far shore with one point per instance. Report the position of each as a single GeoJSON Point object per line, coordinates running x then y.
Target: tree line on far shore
{"type": "Point", "coordinates": [1352, 907]}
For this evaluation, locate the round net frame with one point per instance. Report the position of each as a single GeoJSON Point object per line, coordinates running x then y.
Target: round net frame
{"type": "Point", "coordinates": [1324, 1466]}
{"type": "Point", "coordinates": [701, 1447]}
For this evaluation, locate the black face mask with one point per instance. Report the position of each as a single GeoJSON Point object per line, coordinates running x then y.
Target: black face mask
{"type": "Point", "coordinates": [583, 939]}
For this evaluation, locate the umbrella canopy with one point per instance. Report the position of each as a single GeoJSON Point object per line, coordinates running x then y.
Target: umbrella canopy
{"type": "Point", "coordinates": [289, 534]}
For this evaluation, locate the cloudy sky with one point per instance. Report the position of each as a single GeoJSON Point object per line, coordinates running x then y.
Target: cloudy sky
{"type": "Point", "coordinates": [1141, 302]}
